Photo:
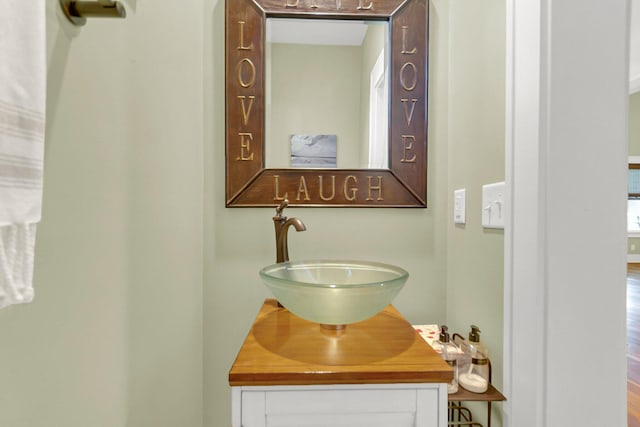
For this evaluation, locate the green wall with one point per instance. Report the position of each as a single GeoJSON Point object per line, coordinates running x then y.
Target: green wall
{"type": "Point", "coordinates": [476, 157]}
{"type": "Point", "coordinates": [114, 335]}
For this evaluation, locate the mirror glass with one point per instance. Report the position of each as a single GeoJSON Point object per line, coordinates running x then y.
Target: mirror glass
{"type": "Point", "coordinates": [327, 93]}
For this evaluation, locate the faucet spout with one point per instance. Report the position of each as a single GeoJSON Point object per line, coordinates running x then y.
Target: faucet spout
{"type": "Point", "coordinates": [282, 225]}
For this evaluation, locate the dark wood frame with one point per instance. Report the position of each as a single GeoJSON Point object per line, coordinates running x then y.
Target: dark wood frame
{"type": "Point", "coordinates": [249, 183]}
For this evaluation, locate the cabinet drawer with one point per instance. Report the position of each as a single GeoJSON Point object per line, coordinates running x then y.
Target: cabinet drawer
{"type": "Point", "coordinates": [340, 401]}
{"type": "Point", "coordinates": [343, 420]}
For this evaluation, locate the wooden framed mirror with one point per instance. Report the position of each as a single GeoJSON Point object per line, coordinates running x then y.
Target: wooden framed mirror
{"type": "Point", "coordinates": [402, 183]}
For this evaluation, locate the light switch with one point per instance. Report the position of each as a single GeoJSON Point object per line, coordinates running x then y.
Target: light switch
{"type": "Point", "coordinates": [459, 206]}
{"type": "Point", "coordinates": [493, 205]}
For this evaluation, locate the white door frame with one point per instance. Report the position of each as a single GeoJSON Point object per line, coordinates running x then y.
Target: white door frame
{"type": "Point", "coordinates": [565, 241]}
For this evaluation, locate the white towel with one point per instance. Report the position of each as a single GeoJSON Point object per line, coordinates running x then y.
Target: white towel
{"type": "Point", "coordinates": [22, 108]}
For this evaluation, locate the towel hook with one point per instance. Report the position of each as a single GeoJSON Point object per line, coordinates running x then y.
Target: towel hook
{"type": "Point", "coordinates": [78, 11]}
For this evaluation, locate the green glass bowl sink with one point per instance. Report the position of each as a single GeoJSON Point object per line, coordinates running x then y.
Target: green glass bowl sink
{"type": "Point", "coordinates": [333, 292]}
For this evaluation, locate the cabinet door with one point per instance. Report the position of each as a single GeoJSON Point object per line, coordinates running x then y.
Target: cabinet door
{"type": "Point", "coordinates": [252, 410]}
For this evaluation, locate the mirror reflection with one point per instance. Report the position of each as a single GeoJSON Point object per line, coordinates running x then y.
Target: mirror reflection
{"type": "Point", "coordinates": [327, 93]}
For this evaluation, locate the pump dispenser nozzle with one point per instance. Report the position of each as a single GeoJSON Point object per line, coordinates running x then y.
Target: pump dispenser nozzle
{"type": "Point", "coordinates": [444, 334]}
{"type": "Point", "coordinates": [474, 335]}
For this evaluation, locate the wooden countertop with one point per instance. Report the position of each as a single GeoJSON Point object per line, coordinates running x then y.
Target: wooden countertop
{"type": "Point", "coordinates": [283, 349]}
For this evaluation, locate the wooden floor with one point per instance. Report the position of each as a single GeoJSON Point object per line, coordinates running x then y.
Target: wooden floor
{"type": "Point", "coordinates": [633, 344]}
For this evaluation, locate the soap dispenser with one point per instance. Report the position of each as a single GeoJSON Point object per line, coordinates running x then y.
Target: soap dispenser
{"type": "Point", "coordinates": [475, 376]}
{"type": "Point", "coordinates": [449, 352]}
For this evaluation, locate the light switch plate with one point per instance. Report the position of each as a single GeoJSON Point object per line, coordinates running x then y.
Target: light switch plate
{"type": "Point", "coordinates": [493, 205]}
{"type": "Point", "coordinates": [459, 206]}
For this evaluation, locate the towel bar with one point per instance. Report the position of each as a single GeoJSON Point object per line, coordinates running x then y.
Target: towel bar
{"type": "Point", "coordinates": [78, 11]}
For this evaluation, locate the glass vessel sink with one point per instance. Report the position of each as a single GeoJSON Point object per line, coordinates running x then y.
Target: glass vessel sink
{"type": "Point", "coordinates": [334, 292]}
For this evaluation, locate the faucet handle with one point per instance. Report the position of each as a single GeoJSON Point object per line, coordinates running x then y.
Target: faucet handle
{"type": "Point", "coordinates": [280, 208]}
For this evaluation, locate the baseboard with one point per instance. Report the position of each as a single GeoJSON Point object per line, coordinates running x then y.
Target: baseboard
{"type": "Point", "coordinates": [633, 258]}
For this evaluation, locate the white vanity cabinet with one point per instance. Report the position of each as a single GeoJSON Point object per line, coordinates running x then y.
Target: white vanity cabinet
{"type": "Point", "coordinates": [370, 405]}
{"type": "Point", "coordinates": [376, 373]}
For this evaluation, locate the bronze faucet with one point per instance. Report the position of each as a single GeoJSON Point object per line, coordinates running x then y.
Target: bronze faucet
{"type": "Point", "coordinates": [282, 225]}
